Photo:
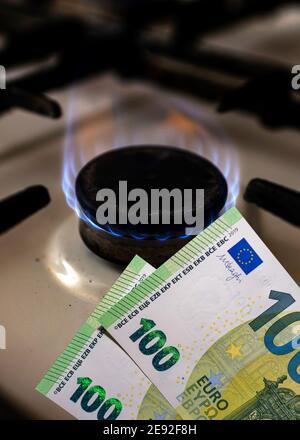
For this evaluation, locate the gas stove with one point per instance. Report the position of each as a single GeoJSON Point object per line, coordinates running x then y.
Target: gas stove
{"type": "Point", "coordinates": [50, 280]}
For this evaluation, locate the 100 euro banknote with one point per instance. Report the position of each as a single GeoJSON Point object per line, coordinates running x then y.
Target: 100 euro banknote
{"type": "Point", "coordinates": [95, 379]}
{"type": "Point", "coordinates": [217, 327]}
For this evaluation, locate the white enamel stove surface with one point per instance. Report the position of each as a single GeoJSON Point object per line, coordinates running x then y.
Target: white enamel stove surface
{"type": "Point", "coordinates": [49, 281]}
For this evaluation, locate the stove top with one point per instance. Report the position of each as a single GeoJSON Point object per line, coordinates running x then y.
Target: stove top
{"type": "Point", "coordinates": [50, 281]}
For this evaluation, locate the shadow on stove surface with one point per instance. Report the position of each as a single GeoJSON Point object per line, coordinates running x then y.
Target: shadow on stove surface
{"type": "Point", "coordinates": [7, 412]}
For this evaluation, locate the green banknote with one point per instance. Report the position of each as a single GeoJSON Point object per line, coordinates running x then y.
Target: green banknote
{"type": "Point", "coordinates": [217, 327]}
{"type": "Point", "coordinates": [95, 379]}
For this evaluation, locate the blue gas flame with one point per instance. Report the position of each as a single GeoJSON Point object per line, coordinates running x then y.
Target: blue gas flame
{"type": "Point", "coordinates": [160, 120]}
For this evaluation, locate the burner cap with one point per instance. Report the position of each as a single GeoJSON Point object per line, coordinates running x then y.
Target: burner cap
{"type": "Point", "coordinates": [147, 167]}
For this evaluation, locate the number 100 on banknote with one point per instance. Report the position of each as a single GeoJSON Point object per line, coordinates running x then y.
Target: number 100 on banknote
{"type": "Point", "coordinates": [217, 327]}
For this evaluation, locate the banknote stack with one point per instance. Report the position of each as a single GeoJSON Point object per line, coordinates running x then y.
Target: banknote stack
{"type": "Point", "coordinates": [212, 334]}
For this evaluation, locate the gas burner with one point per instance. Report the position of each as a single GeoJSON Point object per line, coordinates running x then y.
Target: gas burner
{"type": "Point", "coordinates": [145, 167]}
